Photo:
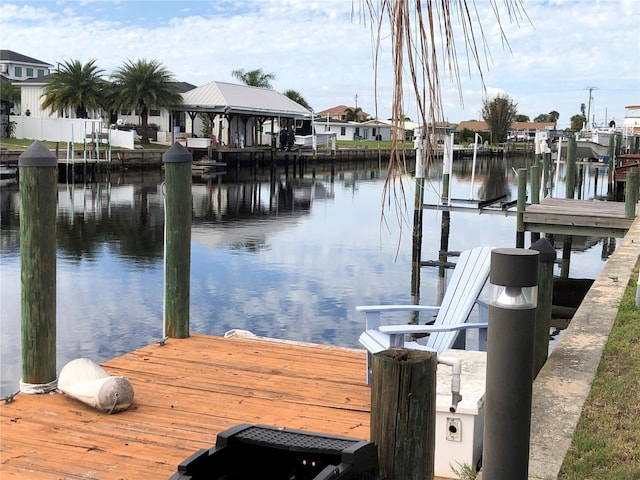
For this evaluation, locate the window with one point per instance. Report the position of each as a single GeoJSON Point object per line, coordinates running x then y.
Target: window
{"type": "Point", "coordinates": [40, 72]}
{"type": "Point", "coordinates": [343, 131]}
{"type": "Point", "coordinates": [154, 113]}
{"type": "Point", "coordinates": [125, 111]}
{"type": "Point", "coordinates": [29, 71]}
{"type": "Point", "coordinates": [17, 72]}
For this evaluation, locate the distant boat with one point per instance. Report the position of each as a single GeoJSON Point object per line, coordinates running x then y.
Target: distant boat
{"type": "Point", "coordinates": [593, 144]}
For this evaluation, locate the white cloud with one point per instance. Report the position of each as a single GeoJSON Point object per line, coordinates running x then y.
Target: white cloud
{"type": "Point", "coordinates": [318, 49]}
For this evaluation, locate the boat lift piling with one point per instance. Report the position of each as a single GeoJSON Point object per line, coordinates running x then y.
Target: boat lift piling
{"type": "Point", "coordinates": [570, 188]}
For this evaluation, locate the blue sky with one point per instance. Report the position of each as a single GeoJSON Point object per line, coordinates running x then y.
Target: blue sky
{"type": "Point", "coordinates": [320, 49]}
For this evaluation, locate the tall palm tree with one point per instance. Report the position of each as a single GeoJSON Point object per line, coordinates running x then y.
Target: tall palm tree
{"type": "Point", "coordinates": [254, 78]}
{"type": "Point", "coordinates": [144, 85]}
{"type": "Point", "coordinates": [76, 86]}
{"type": "Point", "coordinates": [296, 97]}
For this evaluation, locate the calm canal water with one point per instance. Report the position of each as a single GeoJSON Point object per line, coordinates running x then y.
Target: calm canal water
{"type": "Point", "coordinates": [285, 257]}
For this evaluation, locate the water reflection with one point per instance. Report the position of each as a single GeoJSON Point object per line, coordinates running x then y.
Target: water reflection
{"type": "Point", "coordinates": [281, 256]}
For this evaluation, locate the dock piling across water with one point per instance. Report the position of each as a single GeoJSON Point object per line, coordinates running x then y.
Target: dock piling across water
{"type": "Point", "coordinates": [177, 269]}
{"type": "Point", "coordinates": [38, 207]}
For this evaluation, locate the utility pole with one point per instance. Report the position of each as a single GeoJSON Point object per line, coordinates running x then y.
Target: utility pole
{"type": "Point", "coordinates": [591, 89]}
{"type": "Point", "coordinates": [356, 98]}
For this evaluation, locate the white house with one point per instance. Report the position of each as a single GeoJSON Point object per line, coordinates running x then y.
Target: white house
{"type": "Point", "coordinates": [18, 67]}
{"type": "Point", "coordinates": [369, 130]}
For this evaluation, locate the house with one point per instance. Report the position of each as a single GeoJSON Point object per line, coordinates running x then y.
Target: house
{"type": "Point", "coordinates": [18, 67]}
{"type": "Point", "coordinates": [31, 91]}
{"type": "Point", "coordinates": [239, 114]}
{"type": "Point", "coordinates": [348, 130]}
{"type": "Point", "coordinates": [340, 113]}
{"type": "Point", "coordinates": [523, 131]}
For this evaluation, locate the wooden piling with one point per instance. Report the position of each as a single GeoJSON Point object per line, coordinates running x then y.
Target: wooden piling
{"type": "Point", "coordinates": [546, 174]}
{"type": "Point", "coordinates": [631, 193]}
{"type": "Point", "coordinates": [521, 206]}
{"type": "Point", "coordinates": [570, 182]}
{"type": "Point", "coordinates": [403, 413]}
{"type": "Point", "coordinates": [546, 262]}
{"type": "Point", "coordinates": [177, 270]}
{"type": "Point", "coordinates": [418, 210]}
{"type": "Point", "coordinates": [38, 209]}
{"type": "Point", "coordinates": [535, 193]}
{"type": "Point", "coordinates": [611, 167]}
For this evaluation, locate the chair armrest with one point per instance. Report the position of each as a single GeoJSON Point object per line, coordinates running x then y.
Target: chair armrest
{"type": "Point", "coordinates": [375, 341]}
{"type": "Point", "coordinates": [396, 308]}
{"type": "Point", "coordinates": [405, 329]}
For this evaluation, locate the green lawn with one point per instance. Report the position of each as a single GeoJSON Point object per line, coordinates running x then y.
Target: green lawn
{"type": "Point", "coordinates": [606, 443]}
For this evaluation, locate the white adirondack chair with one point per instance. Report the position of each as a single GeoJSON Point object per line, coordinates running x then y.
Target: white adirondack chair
{"type": "Point", "coordinates": [448, 330]}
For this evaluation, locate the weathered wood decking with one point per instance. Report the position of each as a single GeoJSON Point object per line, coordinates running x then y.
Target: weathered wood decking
{"type": "Point", "coordinates": [577, 217]}
{"type": "Point", "coordinates": [185, 393]}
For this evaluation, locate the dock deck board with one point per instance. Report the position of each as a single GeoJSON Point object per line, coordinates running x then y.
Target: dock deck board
{"type": "Point", "coordinates": [185, 393]}
{"type": "Point", "coordinates": [579, 217]}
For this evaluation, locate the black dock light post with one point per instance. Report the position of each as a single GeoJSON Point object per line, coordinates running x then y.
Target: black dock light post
{"type": "Point", "coordinates": [510, 347]}
{"type": "Point", "coordinates": [38, 207]}
{"type": "Point", "coordinates": [177, 244]}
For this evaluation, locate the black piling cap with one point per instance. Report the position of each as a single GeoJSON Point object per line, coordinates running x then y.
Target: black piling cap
{"type": "Point", "coordinates": [547, 252]}
{"type": "Point", "coordinates": [177, 154]}
{"type": "Point", "coordinates": [37, 155]}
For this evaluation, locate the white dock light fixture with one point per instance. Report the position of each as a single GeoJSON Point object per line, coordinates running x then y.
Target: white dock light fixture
{"type": "Point", "coordinates": [510, 354]}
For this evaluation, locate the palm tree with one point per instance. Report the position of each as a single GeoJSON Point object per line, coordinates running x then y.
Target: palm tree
{"type": "Point", "coordinates": [74, 86]}
{"type": "Point", "coordinates": [296, 97]}
{"type": "Point", "coordinates": [254, 78]}
{"type": "Point", "coordinates": [353, 114]}
{"type": "Point", "coordinates": [9, 91]}
{"type": "Point", "coordinates": [143, 85]}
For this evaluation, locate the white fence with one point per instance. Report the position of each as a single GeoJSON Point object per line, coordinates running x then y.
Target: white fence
{"type": "Point", "coordinates": [75, 130]}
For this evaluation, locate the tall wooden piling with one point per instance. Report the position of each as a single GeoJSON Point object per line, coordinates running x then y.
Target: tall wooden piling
{"type": "Point", "coordinates": [546, 262]}
{"type": "Point", "coordinates": [570, 182]}
{"type": "Point", "coordinates": [177, 164]}
{"type": "Point", "coordinates": [546, 174]}
{"type": "Point", "coordinates": [403, 413]}
{"type": "Point", "coordinates": [631, 193]}
{"type": "Point", "coordinates": [521, 206]}
{"type": "Point", "coordinates": [611, 167]}
{"type": "Point", "coordinates": [38, 209]}
{"type": "Point", "coordinates": [570, 188]}
{"type": "Point", "coordinates": [535, 193]}
{"type": "Point", "coordinates": [418, 209]}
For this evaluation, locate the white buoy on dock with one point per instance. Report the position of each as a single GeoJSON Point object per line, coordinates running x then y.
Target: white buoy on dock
{"type": "Point", "coordinates": [84, 380]}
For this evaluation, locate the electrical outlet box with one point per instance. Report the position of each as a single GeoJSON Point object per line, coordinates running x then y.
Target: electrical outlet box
{"type": "Point", "coordinates": [459, 434]}
{"type": "Point", "coordinates": [454, 427]}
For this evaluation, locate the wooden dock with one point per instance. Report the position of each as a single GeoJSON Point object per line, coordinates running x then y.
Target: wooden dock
{"type": "Point", "coordinates": [577, 217]}
{"type": "Point", "coordinates": [185, 393]}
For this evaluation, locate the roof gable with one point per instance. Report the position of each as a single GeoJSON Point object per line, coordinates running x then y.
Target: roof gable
{"type": "Point", "coordinates": [222, 97]}
{"type": "Point", "coordinates": [14, 57]}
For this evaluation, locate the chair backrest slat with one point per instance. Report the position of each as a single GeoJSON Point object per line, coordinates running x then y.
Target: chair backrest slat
{"type": "Point", "coordinates": [468, 279]}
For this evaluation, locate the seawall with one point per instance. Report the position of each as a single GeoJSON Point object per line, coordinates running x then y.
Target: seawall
{"type": "Point", "coordinates": [562, 386]}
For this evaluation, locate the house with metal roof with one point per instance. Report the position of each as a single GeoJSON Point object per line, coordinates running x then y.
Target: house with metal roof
{"type": "Point", "coordinates": [237, 113]}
